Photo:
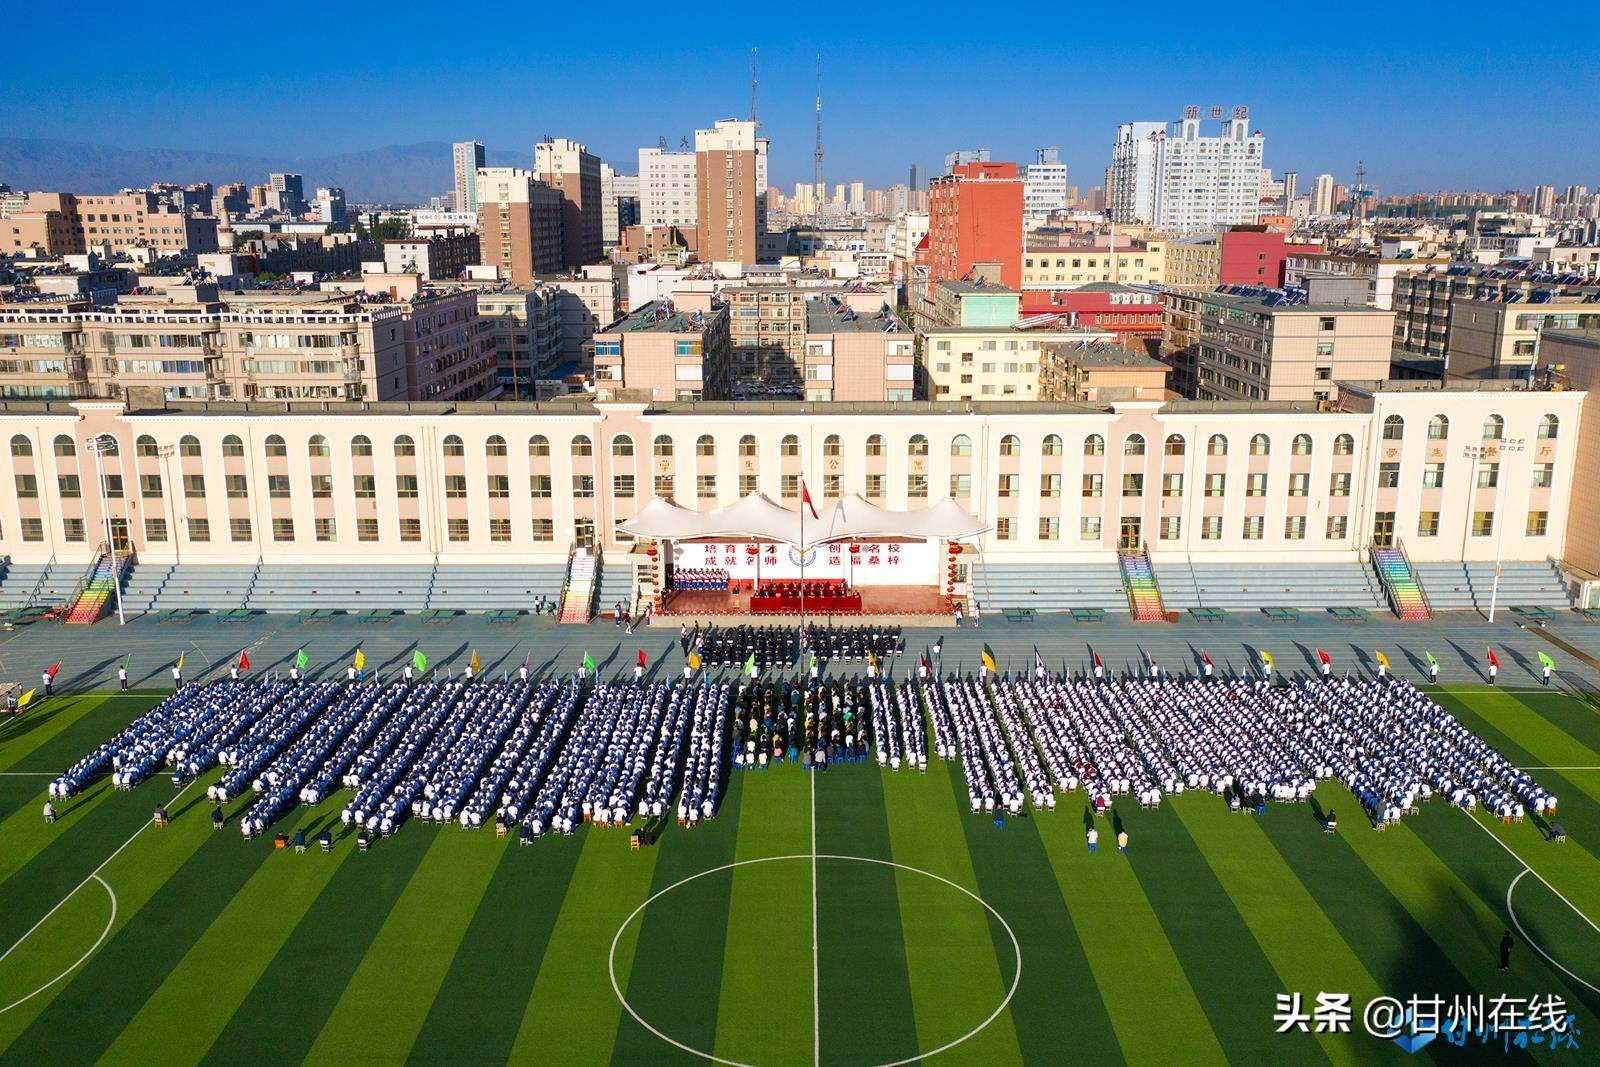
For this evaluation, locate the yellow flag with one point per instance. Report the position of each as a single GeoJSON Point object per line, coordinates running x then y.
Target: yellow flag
{"type": "Point", "coordinates": [1383, 661]}
{"type": "Point", "coordinates": [473, 662]}
{"type": "Point", "coordinates": [694, 660]}
{"type": "Point", "coordinates": [360, 660]}
{"type": "Point", "coordinates": [988, 659]}
{"type": "Point", "coordinates": [871, 659]}
{"type": "Point", "coordinates": [22, 702]}
{"type": "Point", "coordinates": [1266, 657]}
{"type": "Point", "coordinates": [180, 660]}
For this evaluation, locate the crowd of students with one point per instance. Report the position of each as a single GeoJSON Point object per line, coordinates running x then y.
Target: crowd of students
{"type": "Point", "coordinates": [547, 756]}
{"type": "Point", "coordinates": [777, 647]}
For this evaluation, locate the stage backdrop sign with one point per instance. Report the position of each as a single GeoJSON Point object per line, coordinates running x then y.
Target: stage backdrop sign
{"type": "Point", "coordinates": [858, 562]}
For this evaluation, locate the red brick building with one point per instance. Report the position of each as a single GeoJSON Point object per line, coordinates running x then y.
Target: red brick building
{"type": "Point", "coordinates": [1255, 255]}
{"type": "Point", "coordinates": [975, 217]}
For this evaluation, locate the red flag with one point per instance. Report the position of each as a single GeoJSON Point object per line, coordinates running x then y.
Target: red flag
{"type": "Point", "coordinates": [1096, 656]}
{"type": "Point", "coordinates": [1493, 661]}
{"type": "Point", "coordinates": [56, 666]}
{"type": "Point", "coordinates": [641, 657]}
{"type": "Point", "coordinates": [1205, 658]}
{"type": "Point", "coordinates": [923, 659]}
{"type": "Point", "coordinates": [244, 660]}
{"type": "Point", "coordinates": [1323, 656]}
{"type": "Point", "coordinates": [805, 498]}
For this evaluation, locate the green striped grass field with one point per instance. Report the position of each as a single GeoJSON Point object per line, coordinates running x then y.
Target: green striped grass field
{"type": "Point", "coordinates": [856, 916]}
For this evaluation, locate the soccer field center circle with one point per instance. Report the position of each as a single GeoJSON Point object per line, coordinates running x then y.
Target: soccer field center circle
{"type": "Point", "coordinates": [808, 858]}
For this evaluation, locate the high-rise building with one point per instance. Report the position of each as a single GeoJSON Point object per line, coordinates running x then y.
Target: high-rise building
{"type": "Point", "coordinates": [331, 206]}
{"type": "Point", "coordinates": [1322, 196]}
{"type": "Point", "coordinates": [519, 223]}
{"type": "Point", "coordinates": [975, 218]}
{"type": "Point", "coordinates": [570, 169]}
{"type": "Point", "coordinates": [915, 177]}
{"type": "Point", "coordinates": [1544, 199]}
{"type": "Point", "coordinates": [467, 157]}
{"type": "Point", "coordinates": [729, 210]}
{"type": "Point", "coordinates": [1291, 183]}
{"type": "Point", "coordinates": [1044, 184]}
{"type": "Point", "coordinates": [1179, 178]}
{"type": "Point", "coordinates": [286, 193]}
{"type": "Point", "coordinates": [666, 188]}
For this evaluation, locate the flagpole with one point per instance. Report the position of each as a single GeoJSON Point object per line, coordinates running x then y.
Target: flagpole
{"type": "Point", "coordinates": [803, 505]}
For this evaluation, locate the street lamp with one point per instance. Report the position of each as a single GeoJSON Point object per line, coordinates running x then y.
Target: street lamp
{"type": "Point", "coordinates": [166, 452]}
{"type": "Point", "coordinates": [99, 446]}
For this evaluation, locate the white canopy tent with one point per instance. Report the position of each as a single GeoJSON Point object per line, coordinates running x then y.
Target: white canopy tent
{"type": "Point", "coordinates": [757, 517]}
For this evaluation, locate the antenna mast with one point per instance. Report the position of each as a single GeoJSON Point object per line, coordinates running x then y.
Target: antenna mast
{"type": "Point", "coordinates": [753, 83]}
{"type": "Point", "coordinates": [816, 177]}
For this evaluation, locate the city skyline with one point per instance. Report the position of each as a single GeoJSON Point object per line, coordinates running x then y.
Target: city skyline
{"type": "Point", "coordinates": [883, 108]}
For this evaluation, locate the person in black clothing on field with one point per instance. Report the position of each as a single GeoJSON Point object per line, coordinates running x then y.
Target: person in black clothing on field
{"type": "Point", "coordinates": [1505, 951]}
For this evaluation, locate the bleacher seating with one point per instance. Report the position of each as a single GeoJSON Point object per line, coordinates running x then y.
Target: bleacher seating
{"type": "Point", "coordinates": [1050, 585]}
{"type": "Point", "coordinates": [494, 588]}
{"type": "Point", "coordinates": [1467, 586]}
{"type": "Point", "coordinates": [60, 583]}
{"type": "Point", "coordinates": [616, 583]}
{"type": "Point", "coordinates": [285, 588]}
{"type": "Point", "coordinates": [187, 587]}
{"type": "Point", "coordinates": [1250, 586]}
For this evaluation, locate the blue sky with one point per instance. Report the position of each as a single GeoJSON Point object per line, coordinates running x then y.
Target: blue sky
{"type": "Point", "coordinates": [1473, 97]}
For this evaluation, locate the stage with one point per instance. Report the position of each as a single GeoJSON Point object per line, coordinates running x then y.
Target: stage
{"type": "Point", "coordinates": [916, 602]}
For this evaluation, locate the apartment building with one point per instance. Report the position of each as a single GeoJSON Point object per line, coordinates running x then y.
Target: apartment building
{"type": "Point", "coordinates": [1183, 179]}
{"type": "Point", "coordinates": [1485, 322]}
{"type": "Point", "coordinates": [466, 158]}
{"type": "Point", "coordinates": [69, 223]}
{"type": "Point", "coordinates": [1134, 315]}
{"type": "Point", "coordinates": [975, 219]}
{"type": "Point", "coordinates": [190, 342]}
{"type": "Point", "coordinates": [523, 323]}
{"type": "Point", "coordinates": [441, 255]}
{"type": "Point", "coordinates": [730, 210]}
{"type": "Point", "coordinates": [1381, 267]}
{"type": "Point", "coordinates": [519, 223]}
{"type": "Point", "coordinates": [673, 349]}
{"type": "Point", "coordinates": [1046, 268]}
{"type": "Point", "coordinates": [1089, 369]}
{"type": "Point", "coordinates": [667, 193]}
{"type": "Point", "coordinates": [585, 302]}
{"type": "Point", "coordinates": [569, 168]}
{"type": "Point", "coordinates": [1247, 343]}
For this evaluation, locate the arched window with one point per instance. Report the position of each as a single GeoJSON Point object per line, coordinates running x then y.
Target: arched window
{"type": "Point", "coordinates": [917, 446]}
{"type": "Point", "coordinates": [1344, 445]}
{"type": "Point", "coordinates": [663, 447]}
{"type": "Point", "coordinates": [21, 446]}
{"type": "Point", "coordinates": [582, 446]}
{"type": "Point", "coordinates": [747, 446]}
{"type": "Point", "coordinates": [961, 445]}
{"type": "Point", "coordinates": [789, 446]}
{"type": "Point", "coordinates": [64, 447]}
{"type": "Point", "coordinates": [317, 446]}
{"type": "Point", "coordinates": [494, 446]}
{"type": "Point", "coordinates": [276, 449]}
{"type": "Point", "coordinates": [1174, 445]}
{"type": "Point", "coordinates": [1218, 445]}
{"type": "Point", "coordinates": [1394, 428]}
{"type": "Point", "coordinates": [361, 445]}
{"type": "Point", "coordinates": [1301, 445]}
{"type": "Point", "coordinates": [1549, 426]}
{"type": "Point", "coordinates": [188, 445]}
{"type": "Point", "coordinates": [453, 446]}
{"type": "Point", "coordinates": [705, 445]}
{"type": "Point", "coordinates": [232, 446]}
{"type": "Point", "coordinates": [875, 445]}
{"type": "Point", "coordinates": [405, 446]}
{"type": "Point", "coordinates": [145, 445]}
{"type": "Point", "coordinates": [1010, 445]}
{"type": "Point", "coordinates": [1051, 445]}
{"type": "Point", "coordinates": [1133, 445]}
{"type": "Point", "coordinates": [1494, 428]}
{"type": "Point", "coordinates": [1094, 445]}
{"type": "Point", "coordinates": [538, 446]}
{"type": "Point", "coordinates": [622, 447]}
{"type": "Point", "coordinates": [1260, 445]}
{"type": "Point", "coordinates": [1439, 428]}
{"type": "Point", "coordinates": [832, 446]}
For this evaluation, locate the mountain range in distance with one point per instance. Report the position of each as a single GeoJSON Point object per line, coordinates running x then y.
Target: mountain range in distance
{"type": "Point", "coordinates": [393, 174]}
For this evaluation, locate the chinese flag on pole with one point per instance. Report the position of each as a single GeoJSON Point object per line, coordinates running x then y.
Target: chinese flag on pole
{"type": "Point", "coordinates": [805, 498]}
{"type": "Point", "coordinates": [1323, 656]}
{"type": "Point", "coordinates": [1494, 661]}
{"type": "Point", "coordinates": [244, 660]}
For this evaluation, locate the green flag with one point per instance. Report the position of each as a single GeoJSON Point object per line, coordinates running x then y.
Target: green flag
{"type": "Point", "coordinates": [1431, 661]}
{"type": "Point", "coordinates": [301, 659]}
{"type": "Point", "coordinates": [1546, 661]}
{"type": "Point", "coordinates": [419, 662]}
{"type": "Point", "coordinates": [813, 663]}
{"type": "Point", "coordinates": [750, 665]}
{"type": "Point", "coordinates": [588, 662]}
{"type": "Point", "coordinates": [128, 662]}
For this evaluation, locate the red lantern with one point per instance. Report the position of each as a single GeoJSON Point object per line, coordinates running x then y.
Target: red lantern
{"type": "Point", "coordinates": [855, 550]}
{"type": "Point", "coordinates": [955, 550]}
